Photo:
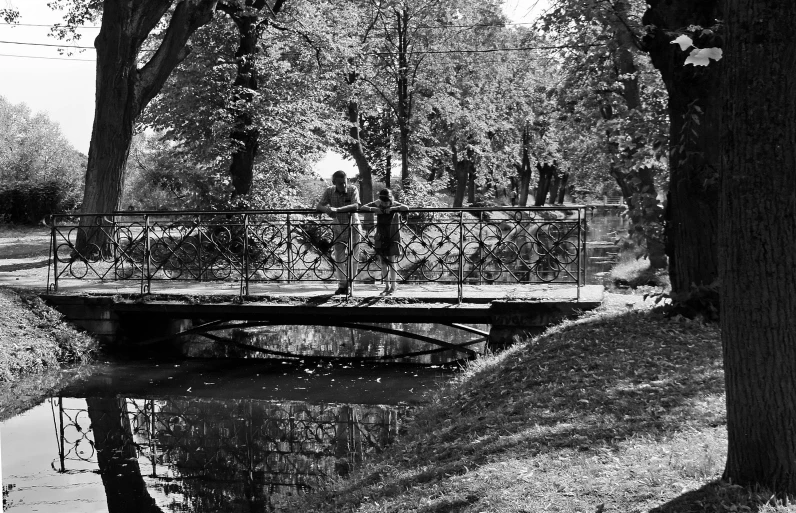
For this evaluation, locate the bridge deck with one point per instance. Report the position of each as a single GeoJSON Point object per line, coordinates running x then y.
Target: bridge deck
{"type": "Point", "coordinates": [315, 304]}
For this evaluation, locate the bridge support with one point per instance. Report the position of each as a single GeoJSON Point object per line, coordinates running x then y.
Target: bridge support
{"type": "Point", "coordinates": [513, 321]}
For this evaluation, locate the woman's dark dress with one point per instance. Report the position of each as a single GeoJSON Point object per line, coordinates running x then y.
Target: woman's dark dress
{"type": "Point", "coordinates": [388, 234]}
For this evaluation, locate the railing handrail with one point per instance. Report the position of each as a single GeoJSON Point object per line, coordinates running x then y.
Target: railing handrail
{"type": "Point", "coordinates": [309, 211]}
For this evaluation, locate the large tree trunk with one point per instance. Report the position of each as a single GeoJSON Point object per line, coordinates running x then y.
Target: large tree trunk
{"type": "Point", "coordinates": [524, 169]}
{"type": "Point", "coordinates": [694, 116]}
{"type": "Point", "coordinates": [358, 154]}
{"type": "Point", "coordinates": [757, 232]}
{"type": "Point", "coordinates": [462, 170]}
{"type": "Point", "coordinates": [471, 184]}
{"type": "Point", "coordinates": [404, 94]}
{"type": "Point", "coordinates": [546, 174]}
{"type": "Point", "coordinates": [245, 135]}
{"type": "Point", "coordinates": [123, 90]}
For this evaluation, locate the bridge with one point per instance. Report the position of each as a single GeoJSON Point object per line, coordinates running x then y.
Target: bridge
{"type": "Point", "coordinates": [518, 269]}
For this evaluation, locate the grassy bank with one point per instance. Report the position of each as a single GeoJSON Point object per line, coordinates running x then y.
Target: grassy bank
{"type": "Point", "coordinates": [621, 411]}
{"type": "Point", "coordinates": [33, 343]}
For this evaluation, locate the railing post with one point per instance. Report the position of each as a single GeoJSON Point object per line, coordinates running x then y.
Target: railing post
{"type": "Point", "coordinates": [54, 256]}
{"type": "Point", "coordinates": [115, 247]}
{"type": "Point", "coordinates": [62, 451]}
{"type": "Point", "coordinates": [460, 278]}
{"type": "Point", "coordinates": [289, 250]}
{"type": "Point", "coordinates": [153, 448]}
{"type": "Point", "coordinates": [146, 288]}
{"type": "Point", "coordinates": [581, 252]}
{"type": "Point", "coordinates": [244, 283]}
{"type": "Point", "coordinates": [201, 233]}
{"type": "Point", "coordinates": [350, 259]}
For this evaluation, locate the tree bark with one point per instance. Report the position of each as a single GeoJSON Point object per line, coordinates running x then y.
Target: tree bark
{"type": "Point", "coordinates": [524, 169]}
{"type": "Point", "coordinates": [471, 183]}
{"type": "Point", "coordinates": [462, 169]}
{"type": "Point", "coordinates": [123, 90]}
{"type": "Point", "coordinates": [694, 115]}
{"type": "Point", "coordinates": [757, 230]}
{"type": "Point", "coordinates": [358, 154]}
{"type": "Point", "coordinates": [245, 135]}
{"type": "Point", "coordinates": [546, 174]}
{"type": "Point", "coordinates": [404, 96]}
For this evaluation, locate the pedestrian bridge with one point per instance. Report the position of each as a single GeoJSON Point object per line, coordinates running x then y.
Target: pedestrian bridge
{"type": "Point", "coordinates": [510, 266]}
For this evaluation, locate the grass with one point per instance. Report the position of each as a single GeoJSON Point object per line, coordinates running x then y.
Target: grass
{"type": "Point", "coordinates": [33, 338]}
{"type": "Point", "coordinates": [621, 410]}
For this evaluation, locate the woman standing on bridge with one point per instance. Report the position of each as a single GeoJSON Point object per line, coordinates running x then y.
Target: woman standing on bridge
{"type": "Point", "coordinates": [388, 236]}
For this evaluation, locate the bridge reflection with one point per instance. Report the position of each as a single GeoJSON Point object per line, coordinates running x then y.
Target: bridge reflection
{"type": "Point", "coordinates": [197, 455]}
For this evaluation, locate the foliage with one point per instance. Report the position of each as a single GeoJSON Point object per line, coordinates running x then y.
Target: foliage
{"type": "Point", "coordinates": [634, 273]}
{"type": "Point", "coordinates": [24, 202]}
{"type": "Point", "coordinates": [613, 118]}
{"type": "Point", "coordinates": [197, 108]}
{"type": "Point", "coordinates": [33, 337]}
{"type": "Point", "coordinates": [40, 172]}
{"type": "Point", "coordinates": [161, 175]}
{"type": "Point", "coordinates": [700, 302]}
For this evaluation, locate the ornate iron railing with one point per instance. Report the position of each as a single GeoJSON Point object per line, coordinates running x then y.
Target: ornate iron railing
{"type": "Point", "coordinates": [450, 246]}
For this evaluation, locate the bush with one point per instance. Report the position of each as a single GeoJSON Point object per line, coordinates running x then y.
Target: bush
{"type": "Point", "coordinates": [28, 203]}
{"type": "Point", "coordinates": [637, 272]}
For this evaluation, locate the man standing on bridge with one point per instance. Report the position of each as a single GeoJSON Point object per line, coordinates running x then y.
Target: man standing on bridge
{"type": "Point", "coordinates": [338, 201]}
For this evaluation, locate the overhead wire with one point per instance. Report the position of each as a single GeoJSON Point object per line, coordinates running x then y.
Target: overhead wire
{"type": "Point", "coordinates": [46, 58]}
{"type": "Point", "coordinates": [49, 25]}
{"type": "Point", "coordinates": [46, 44]}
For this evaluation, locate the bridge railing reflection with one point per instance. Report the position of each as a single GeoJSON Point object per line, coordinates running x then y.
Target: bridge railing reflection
{"type": "Point", "coordinates": [447, 246]}
{"type": "Point", "coordinates": [268, 446]}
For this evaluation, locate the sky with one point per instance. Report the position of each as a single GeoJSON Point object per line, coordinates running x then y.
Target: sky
{"type": "Point", "coordinates": [63, 86]}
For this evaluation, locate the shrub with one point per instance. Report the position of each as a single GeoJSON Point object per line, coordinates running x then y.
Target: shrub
{"type": "Point", "coordinates": [29, 202]}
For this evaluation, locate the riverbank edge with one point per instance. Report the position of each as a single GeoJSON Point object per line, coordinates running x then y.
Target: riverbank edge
{"type": "Point", "coordinates": [36, 347]}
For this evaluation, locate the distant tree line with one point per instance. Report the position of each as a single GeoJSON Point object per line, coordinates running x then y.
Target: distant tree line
{"type": "Point", "coordinates": [40, 172]}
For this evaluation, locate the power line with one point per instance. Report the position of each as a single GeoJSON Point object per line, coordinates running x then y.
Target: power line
{"type": "Point", "coordinates": [45, 44]}
{"type": "Point", "coordinates": [53, 25]}
{"type": "Point", "coordinates": [46, 58]}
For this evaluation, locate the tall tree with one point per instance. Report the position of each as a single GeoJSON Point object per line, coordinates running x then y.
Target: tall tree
{"type": "Point", "coordinates": [694, 117]}
{"type": "Point", "coordinates": [289, 116]}
{"type": "Point", "coordinates": [757, 230]}
{"type": "Point", "coordinates": [127, 80]}
{"type": "Point", "coordinates": [251, 18]}
{"type": "Point", "coordinates": [692, 111]}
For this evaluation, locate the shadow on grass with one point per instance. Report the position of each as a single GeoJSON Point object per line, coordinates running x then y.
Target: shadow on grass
{"type": "Point", "coordinates": [586, 388]}
{"type": "Point", "coordinates": [720, 497]}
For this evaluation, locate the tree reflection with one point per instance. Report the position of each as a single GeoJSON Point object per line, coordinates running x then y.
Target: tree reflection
{"type": "Point", "coordinates": [203, 455]}
{"type": "Point", "coordinates": [117, 457]}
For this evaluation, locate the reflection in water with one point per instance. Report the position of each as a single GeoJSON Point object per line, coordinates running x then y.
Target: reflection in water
{"type": "Point", "coordinates": [206, 455]}
{"type": "Point", "coordinates": [335, 342]}
{"type": "Point", "coordinates": [604, 229]}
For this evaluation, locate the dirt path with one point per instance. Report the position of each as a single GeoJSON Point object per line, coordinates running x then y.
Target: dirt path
{"type": "Point", "coordinates": [24, 253]}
